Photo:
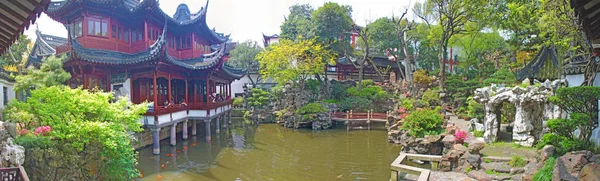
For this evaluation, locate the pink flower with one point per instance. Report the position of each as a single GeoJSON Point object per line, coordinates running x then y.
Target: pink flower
{"type": "Point", "coordinates": [402, 110]}
{"type": "Point", "coordinates": [23, 132]}
{"type": "Point", "coordinates": [402, 116]}
{"type": "Point", "coordinates": [461, 136]}
{"type": "Point", "coordinates": [43, 130]}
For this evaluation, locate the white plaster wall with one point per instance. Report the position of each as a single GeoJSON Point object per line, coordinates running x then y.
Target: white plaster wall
{"type": "Point", "coordinates": [179, 115]}
{"type": "Point", "coordinates": [10, 92]}
{"type": "Point", "coordinates": [197, 113]}
{"type": "Point", "coordinates": [126, 87]}
{"type": "Point", "coordinates": [574, 80]}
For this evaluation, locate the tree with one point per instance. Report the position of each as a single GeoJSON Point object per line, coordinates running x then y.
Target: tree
{"type": "Point", "coordinates": [16, 54]}
{"type": "Point", "coordinates": [294, 61]}
{"type": "Point", "coordinates": [452, 15]}
{"type": "Point", "coordinates": [298, 24]}
{"type": "Point", "coordinates": [79, 119]}
{"type": "Point", "coordinates": [243, 57]}
{"type": "Point", "coordinates": [51, 73]}
{"type": "Point", "coordinates": [332, 21]}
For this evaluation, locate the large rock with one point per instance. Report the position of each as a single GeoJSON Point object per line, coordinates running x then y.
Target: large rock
{"type": "Point", "coordinates": [460, 148]}
{"type": "Point", "coordinates": [449, 141]}
{"type": "Point", "coordinates": [475, 146]}
{"type": "Point", "coordinates": [547, 152]}
{"type": "Point", "coordinates": [496, 166]}
{"type": "Point", "coordinates": [474, 125]}
{"type": "Point", "coordinates": [12, 154]}
{"type": "Point", "coordinates": [479, 175]}
{"type": "Point", "coordinates": [590, 172]}
{"type": "Point", "coordinates": [569, 165]}
{"type": "Point", "coordinates": [474, 160]}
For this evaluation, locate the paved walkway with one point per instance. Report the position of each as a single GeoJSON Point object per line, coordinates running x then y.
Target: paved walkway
{"type": "Point", "coordinates": [449, 176]}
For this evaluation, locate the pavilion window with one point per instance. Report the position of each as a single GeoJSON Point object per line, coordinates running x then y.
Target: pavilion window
{"type": "Point", "coordinates": [115, 32]}
{"type": "Point", "coordinates": [76, 29]}
{"type": "Point", "coordinates": [97, 26]}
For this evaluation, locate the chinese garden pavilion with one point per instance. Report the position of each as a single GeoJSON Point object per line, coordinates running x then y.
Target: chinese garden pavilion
{"type": "Point", "coordinates": [176, 64]}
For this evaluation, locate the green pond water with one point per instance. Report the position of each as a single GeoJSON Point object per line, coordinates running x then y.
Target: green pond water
{"type": "Point", "coordinates": [271, 152]}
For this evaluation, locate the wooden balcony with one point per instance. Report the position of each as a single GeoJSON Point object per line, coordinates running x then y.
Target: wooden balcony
{"type": "Point", "coordinates": [161, 110]}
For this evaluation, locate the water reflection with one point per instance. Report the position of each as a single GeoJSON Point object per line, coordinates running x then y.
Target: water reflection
{"type": "Point", "coordinates": [271, 152]}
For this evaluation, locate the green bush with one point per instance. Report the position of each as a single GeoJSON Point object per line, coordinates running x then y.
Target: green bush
{"type": "Point", "coordinates": [369, 92]}
{"type": "Point", "coordinates": [331, 101]}
{"type": "Point", "coordinates": [478, 133]}
{"type": "Point", "coordinates": [474, 109]}
{"type": "Point", "coordinates": [423, 121]}
{"type": "Point", "coordinates": [545, 173]}
{"type": "Point", "coordinates": [258, 98]}
{"type": "Point", "coordinates": [502, 76]}
{"type": "Point", "coordinates": [338, 90]}
{"type": "Point", "coordinates": [562, 133]}
{"type": "Point", "coordinates": [582, 100]}
{"type": "Point", "coordinates": [313, 85]}
{"type": "Point", "coordinates": [517, 161]}
{"type": "Point", "coordinates": [357, 104]}
{"type": "Point", "coordinates": [238, 102]}
{"type": "Point", "coordinates": [29, 141]}
{"type": "Point", "coordinates": [409, 104]}
{"type": "Point", "coordinates": [431, 97]}
{"type": "Point", "coordinates": [367, 82]}
{"type": "Point", "coordinates": [311, 108]}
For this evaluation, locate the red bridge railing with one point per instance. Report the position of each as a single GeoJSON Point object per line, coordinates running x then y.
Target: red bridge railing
{"type": "Point", "coordinates": [359, 115]}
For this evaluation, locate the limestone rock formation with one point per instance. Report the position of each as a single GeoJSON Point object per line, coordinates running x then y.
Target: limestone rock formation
{"type": "Point", "coordinates": [532, 110]}
{"type": "Point", "coordinates": [569, 165]}
{"type": "Point", "coordinates": [11, 154]}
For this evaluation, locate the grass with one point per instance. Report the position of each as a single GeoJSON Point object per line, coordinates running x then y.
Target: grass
{"type": "Point", "coordinates": [478, 133]}
{"type": "Point", "coordinates": [468, 169]}
{"type": "Point", "coordinates": [492, 172]}
{"type": "Point", "coordinates": [487, 160]}
{"type": "Point", "coordinates": [506, 149]}
{"type": "Point", "coordinates": [517, 161]}
{"type": "Point", "coordinates": [545, 173]}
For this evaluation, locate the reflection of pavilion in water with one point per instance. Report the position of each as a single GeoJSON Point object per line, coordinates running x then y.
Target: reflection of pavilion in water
{"type": "Point", "coordinates": [196, 155]}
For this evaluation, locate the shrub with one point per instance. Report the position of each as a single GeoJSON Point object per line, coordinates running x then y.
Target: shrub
{"type": "Point", "coordinates": [258, 98]}
{"type": "Point", "coordinates": [562, 133]}
{"type": "Point", "coordinates": [368, 92]}
{"type": "Point", "coordinates": [358, 104]}
{"type": "Point", "coordinates": [502, 76]}
{"type": "Point", "coordinates": [338, 90]}
{"type": "Point", "coordinates": [517, 161]}
{"type": "Point", "coordinates": [311, 108]}
{"type": "Point", "coordinates": [583, 100]}
{"type": "Point", "coordinates": [28, 142]}
{"type": "Point", "coordinates": [408, 104]}
{"type": "Point", "coordinates": [367, 82]}
{"type": "Point", "coordinates": [238, 102]}
{"type": "Point", "coordinates": [431, 97]}
{"type": "Point", "coordinates": [421, 77]}
{"type": "Point", "coordinates": [423, 121]}
{"type": "Point", "coordinates": [478, 133]}
{"type": "Point", "coordinates": [474, 109]}
{"type": "Point", "coordinates": [460, 136]}
{"type": "Point", "coordinates": [487, 160]}
{"type": "Point", "coordinates": [330, 101]}
{"type": "Point", "coordinates": [545, 173]}
{"type": "Point", "coordinates": [313, 85]}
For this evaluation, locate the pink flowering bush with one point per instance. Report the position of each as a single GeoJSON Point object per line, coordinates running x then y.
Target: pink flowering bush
{"type": "Point", "coordinates": [402, 110]}
{"type": "Point", "coordinates": [23, 132]}
{"type": "Point", "coordinates": [460, 136]}
{"type": "Point", "coordinates": [42, 130]}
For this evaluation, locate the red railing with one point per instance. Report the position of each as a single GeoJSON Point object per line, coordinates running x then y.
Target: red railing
{"type": "Point", "coordinates": [358, 115]}
{"type": "Point", "coordinates": [13, 174]}
{"type": "Point", "coordinates": [160, 110]}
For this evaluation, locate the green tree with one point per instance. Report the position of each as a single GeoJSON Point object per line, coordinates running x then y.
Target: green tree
{"type": "Point", "coordinates": [17, 53]}
{"type": "Point", "coordinates": [581, 100]}
{"type": "Point", "coordinates": [291, 61]}
{"type": "Point", "coordinates": [51, 73]}
{"type": "Point", "coordinates": [298, 23]}
{"type": "Point", "coordinates": [502, 76]}
{"type": "Point", "coordinates": [332, 21]}
{"type": "Point", "coordinates": [243, 56]}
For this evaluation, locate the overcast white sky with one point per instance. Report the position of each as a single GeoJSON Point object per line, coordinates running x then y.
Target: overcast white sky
{"type": "Point", "coordinates": [247, 19]}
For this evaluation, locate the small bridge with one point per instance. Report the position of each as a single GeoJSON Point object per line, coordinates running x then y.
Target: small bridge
{"type": "Point", "coordinates": [352, 119]}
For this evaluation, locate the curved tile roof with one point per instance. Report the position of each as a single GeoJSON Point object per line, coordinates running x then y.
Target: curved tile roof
{"type": "Point", "coordinates": [233, 72]}
{"type": "Point", "coordinates": [203, 62]}
{"type": "Point", "coordinates": [182, 16]}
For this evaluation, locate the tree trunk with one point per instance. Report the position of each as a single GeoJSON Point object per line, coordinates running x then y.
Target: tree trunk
{"type": "Point", "coordinates": [590, 72]}
{"type": "Point", "coordinates": [442, 74]}
{"type": "Point", "coordinates": [360, 75]}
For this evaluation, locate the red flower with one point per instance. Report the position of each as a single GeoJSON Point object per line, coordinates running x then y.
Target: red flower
{"type": "Point", "coordinates": [43, 130]}
{"type": "Point", "coordinates": [460, 136]}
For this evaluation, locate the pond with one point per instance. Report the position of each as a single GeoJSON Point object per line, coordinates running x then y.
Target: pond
{"type": "Point", "coordinates": [272, 152]}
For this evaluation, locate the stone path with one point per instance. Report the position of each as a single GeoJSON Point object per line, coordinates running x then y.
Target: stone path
{"type": "Point", "coordinates": [449, 176]}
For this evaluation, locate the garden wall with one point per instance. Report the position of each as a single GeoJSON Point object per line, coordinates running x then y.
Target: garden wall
{"type": "Point", "coordinates": [62, 162]}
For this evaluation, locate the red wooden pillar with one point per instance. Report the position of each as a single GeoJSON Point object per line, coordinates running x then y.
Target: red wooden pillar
{"type": "Point", "coordinates": [108, 83]}
{"type": "Point", "coordinates": [154, 87]}
{"type": "Point", "coordinates": [169, 90]}
{"type": "Point", "coordinates": [85, 81]}
{"type": "Point", "coordinates": [208, 90]}
{"type": "Point", "coordinates": [186, 92]}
